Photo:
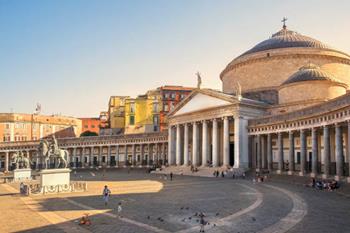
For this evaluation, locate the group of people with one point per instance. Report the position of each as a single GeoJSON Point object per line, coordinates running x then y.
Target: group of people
{"type": "Point", "coordinates": [194, 169]}
{"type": "Point", "coordinates": [217, 173]}
{"type": "Point", "coordinates": [324, 184]}
{"type": "Point", "coordinates": [106, 193]}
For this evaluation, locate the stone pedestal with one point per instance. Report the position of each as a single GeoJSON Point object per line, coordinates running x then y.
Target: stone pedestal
{"type": "Point", "coordinates": [337, 178]}
{"type": "Point", "coordinates": [313, 175]}
{"type": "Point", "coordinates": [279, 172]}
{"type": "Point", "coordinates": [50, 177]}
{"type": "Point", "coordinates": [301, 173]}
{"type": "Point", "coordinates": [290, 173]}
{"type": "Point", "coordinates": [22, 174]}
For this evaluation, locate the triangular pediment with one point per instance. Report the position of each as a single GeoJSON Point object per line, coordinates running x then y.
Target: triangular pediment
{"type": "Point", "coordinates": [200, 101]}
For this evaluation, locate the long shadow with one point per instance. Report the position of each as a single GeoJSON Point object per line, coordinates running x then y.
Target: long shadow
{"type": "Point", "coordinates": [173, 207]}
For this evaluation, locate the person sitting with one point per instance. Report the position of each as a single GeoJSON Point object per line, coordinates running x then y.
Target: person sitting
{"type": "Point", "coordinates": [319, 185]}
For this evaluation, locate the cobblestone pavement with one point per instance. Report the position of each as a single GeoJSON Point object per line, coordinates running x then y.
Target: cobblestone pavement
{"type": "Point", "coordinates": [152, 203]}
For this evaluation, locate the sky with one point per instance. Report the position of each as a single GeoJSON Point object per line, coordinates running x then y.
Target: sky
{"type": "Point", "coordinates": [72, 55]}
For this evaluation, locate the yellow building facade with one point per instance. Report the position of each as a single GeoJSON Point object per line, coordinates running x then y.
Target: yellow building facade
{"type": "Point", "coordinates": [142, 113]}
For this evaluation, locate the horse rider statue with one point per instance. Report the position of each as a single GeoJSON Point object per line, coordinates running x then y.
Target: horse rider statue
{"type": "Point", "coordinates": [20, 160]}
{"type": "Point", "coordinates": [51, 150]}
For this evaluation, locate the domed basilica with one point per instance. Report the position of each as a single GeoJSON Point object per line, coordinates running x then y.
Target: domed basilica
{"type": "Point", "coordinates": [283, 107]}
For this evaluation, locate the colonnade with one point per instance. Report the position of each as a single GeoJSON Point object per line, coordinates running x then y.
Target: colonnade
{"type": "Point", "coordinates": [326, 156]}
{"type": "Point", "coordinates": [207, 143]}
{"type": "Point", "coordinates": [89, 156]}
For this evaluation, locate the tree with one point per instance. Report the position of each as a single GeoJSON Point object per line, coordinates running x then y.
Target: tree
{"type": "Point", "coordinates": [88, 134]}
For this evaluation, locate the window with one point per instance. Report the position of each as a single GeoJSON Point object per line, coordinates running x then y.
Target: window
{"type": "Point", "coordinates": [7, 126]}
{"type": "Point", "coordinates": [92, 126]}
{"type": "Point", "coordinates": [172, 105]}
{"type": "Point", "coordinates": [166, 107]}
{"type": "Point", "coordinates": [182, 96]}
{"type": "Point", "coordinates": [132, 107]}
{"type": "Point", "coordinates": [132, 120]}
{"type": "Point", "coordinates": [166, 96]}
{"type": "Point", "coordinates": [173, 95]}
{"type": "Point", "coordinates": [155, 107]}
{"type": "Point", "coordinates": [86, 126]}
{"type": "Point", "coordinates": [155, 120]}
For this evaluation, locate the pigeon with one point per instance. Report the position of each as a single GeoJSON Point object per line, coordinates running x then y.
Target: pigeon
{"type": "Point", "coordinates": [187, 208]}
{"type": "Point", "coordinates": [189, 218]}
{"type": "Point", "coordinates": [217, 214]}
{"type": "Point", "coordinates": [181, 208]}
{"type": "Point", "coordinates": [183, 219]}
{"type": "Point", "coordinates": [214, 225]}
{"type": "Point", "coordinates": [148, 217]}
{"type": "Point", "coordinates": [196, 214]}
{"type": "Point", "coordinates": [253, 219]}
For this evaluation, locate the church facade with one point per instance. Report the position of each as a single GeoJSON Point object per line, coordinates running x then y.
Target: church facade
{"type": "Point", "coordinates": [284, 107]}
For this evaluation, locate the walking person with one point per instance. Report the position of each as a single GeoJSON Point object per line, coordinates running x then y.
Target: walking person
{"type": "Point", "coordinates": [171, 176]}
{"type": "Point", "coordinates": [119, 210]}
{"type": "Point", "coordinates": [106, 193]}
{"type": "Point", "coordinates": [201, 222]}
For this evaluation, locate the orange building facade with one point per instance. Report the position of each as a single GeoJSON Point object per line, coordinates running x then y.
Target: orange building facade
{"type": "Point", "coordinates": [27, 127]}
{"type": "Point", "coordinates": [170, 97]}
{"type": "Point", "coordinates": [91, 124]}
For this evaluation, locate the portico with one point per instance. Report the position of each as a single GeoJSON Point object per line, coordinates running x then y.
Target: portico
{"type": "Point", "coordinates": [209, 128]}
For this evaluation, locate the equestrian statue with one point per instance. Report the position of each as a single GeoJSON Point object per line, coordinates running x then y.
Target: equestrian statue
{"type": "Point", "coordinates": [48, 150]}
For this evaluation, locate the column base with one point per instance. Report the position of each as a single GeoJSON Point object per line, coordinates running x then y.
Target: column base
{"type": "Point", "coordinates": [257, 169]}
{"type": "Point", "coordinates": [301, 174]}
{"type": "Point", "coordinates": [108, 166]}
{"type": "Point", "coordinates": [348, 179]}
{"type": "Point", "coordinates": [313, 175]}
{"type": "Point", "coordinates": [290, 173]}
{"type": "Point", "coordinates": [278, 172]}
{"type": "Point", "coordinates": [324, 176]}
{"type": "Point", "coordinates": [337, 178]}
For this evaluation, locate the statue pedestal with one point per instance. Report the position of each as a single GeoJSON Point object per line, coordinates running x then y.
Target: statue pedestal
{"type": "Point", "coordinates": [60, 176]}
{"type": "Point", "coordinates": [22, 174]}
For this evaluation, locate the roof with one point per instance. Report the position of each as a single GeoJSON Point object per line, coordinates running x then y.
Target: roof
{"type": "Point", "coordinates": [175, 88]}
{"type": "Point", "coordinates": [310, 72]}
{"type": "Point", "coordinates": [287, 39]}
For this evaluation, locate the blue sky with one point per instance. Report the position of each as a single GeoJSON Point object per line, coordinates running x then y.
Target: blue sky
{"type": "Point", "coordinates": [71, 55]}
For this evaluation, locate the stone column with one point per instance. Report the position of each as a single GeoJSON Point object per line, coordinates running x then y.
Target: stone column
{"type": "Point", "coordinates": [291, 153]}
{"type": "Point", "coordinates": [303, 152]}
{"type": "Point", "coordinates": [142, 154]}
{"type": "Point", "coordinates": [204, 143]}
{"type": "Point", "coordinates": [186, 145]}
{"type": "Point", "coordinates": [74, 157]}
{"type": "Point", "coordinates": [37, 162]}
{"type": "Point", "coordinates": [226, 138]}
{"type": "Point", "coordinates": [163, 154]}
{"type": "Point", "coordinates": [258, 154]}
{"type": "Point", "coordinates": [178, 145]}
{"type": "Point", "coordinates": [133, 155]}
{"type": "Point", "coordinates": [7, 161]}
{"type": "Point", "coordinates": [91, 158]}
{"type": "Point", "coordinates": [215, 144]}
{"type": "Point", "coordinates": [339, 152]}
{"type": "Point", "coordinates": [263, 152]}
{"type": "Point", "coordinates": [269, 153]}
{"type": "Point", "coordinates": [348, 150]}
{"type": "Point", "coordinates": [117, 159]}
{"type": "Point", "coordinates": [171, 157]}
{"type": "Point", "coordinates": [125, 155]}
{"type": "Point", "coordinates": [241, 143]}
{"type": "Point", "coordinates": [326, 151]}
{"type": "Point", "coordinates": [100, 156]}
{"type": "Point", "coordinates": [314, 137]}
{"type": "Point", "coordinates": [280, 152]}
{"type": "Point", "coordinates": [82, 156]}
{"type": "Point", "coordinates": [156, 154]}
{"type": "Point", "coordinates": [149, 154]}
{"type": "Point", "coordinates": [109, 156]}
{"type": "Point", "coordinates": [195, 142]}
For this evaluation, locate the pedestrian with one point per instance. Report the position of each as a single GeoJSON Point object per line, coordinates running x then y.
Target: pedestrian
{"type": "Point", "coordinates": [106, 193]}
{"type": "Point", "coordinates": [201, 222]}
{"type": "Point", "coordinates": [222, 174]}
{"type": "Point", "coordinates": [171, 176]}
{"type": "Point", "coordinates": [119, 210]}
{"type": "Point", "coordinates": [243, 175]}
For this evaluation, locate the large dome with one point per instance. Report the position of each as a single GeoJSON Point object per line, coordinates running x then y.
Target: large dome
{"type": "Point", "coordinates": [287, 39]}
{"type": "Point", "coordinates": [264, 68]}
